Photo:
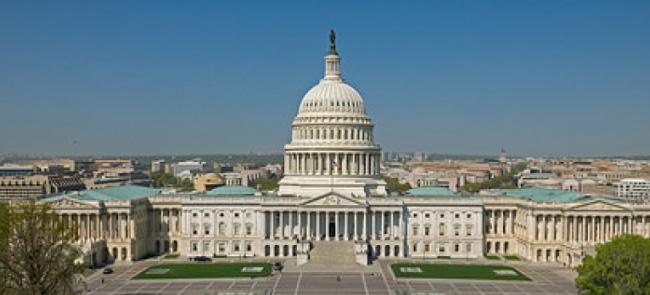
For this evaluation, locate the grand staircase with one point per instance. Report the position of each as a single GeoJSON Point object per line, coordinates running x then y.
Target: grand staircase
{"type": "Point", "coordinates": [332, 253]}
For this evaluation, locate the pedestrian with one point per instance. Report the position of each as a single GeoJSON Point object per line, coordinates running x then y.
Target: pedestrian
{"type": "Point", "coordinates": [338, 278]}
{"type": "Point", "coordinates": [102, 281]}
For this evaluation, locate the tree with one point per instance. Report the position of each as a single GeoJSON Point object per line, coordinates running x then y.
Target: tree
{"type": "Point", "coordinates": [36, 251]}
{"type": "Point", "coordinates": [267, 184]}
{"type": "Point", "coordinates": [621, 266]}
{"type": "Point", "coordinates": [393, 185]}
{"type": "Point", "coordinates": [505, 181]}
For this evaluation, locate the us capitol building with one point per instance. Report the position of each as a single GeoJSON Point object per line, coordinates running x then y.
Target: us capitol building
{"type": "Point", "coordinates": [333, 197]}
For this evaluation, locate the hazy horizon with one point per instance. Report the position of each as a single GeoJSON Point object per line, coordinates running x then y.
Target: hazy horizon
{"type": "Point", "coordinates": [460, 78]}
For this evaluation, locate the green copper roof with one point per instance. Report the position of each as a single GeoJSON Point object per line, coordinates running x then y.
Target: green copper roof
{"type": "Point", "coordinates": [127, 192]}
{"type": "Point", "coordinates": [539, 194]}
{"type": "Point", "coordinates": [430, 191]}
{"type": "Point", "coordinates": [232, 191]}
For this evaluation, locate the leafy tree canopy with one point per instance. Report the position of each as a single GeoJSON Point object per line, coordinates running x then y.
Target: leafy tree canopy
{"type": "Point", "coordinates": [393, 185]}
{"type": "Point", "coordinates": [621, 266]}
{"type": "Point", "coordinates": [505, 181]}
{"type": "Point", "coordinates": [37, 255]}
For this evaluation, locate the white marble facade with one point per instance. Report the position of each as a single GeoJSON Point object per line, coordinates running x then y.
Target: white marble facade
{"type": "Point", "coordinates": [333, 190]}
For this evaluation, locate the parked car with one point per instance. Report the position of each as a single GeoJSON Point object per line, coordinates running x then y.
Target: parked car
{"type": "Point", "coordinates": [278, 266]}
{"type": "Point", "coordinates": [107, 271]}
{"type": "Point", "coordinates": [202, 259]}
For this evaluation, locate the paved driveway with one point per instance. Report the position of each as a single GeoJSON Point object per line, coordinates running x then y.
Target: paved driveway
{"type": "Point", "coordinates": [546, 280]}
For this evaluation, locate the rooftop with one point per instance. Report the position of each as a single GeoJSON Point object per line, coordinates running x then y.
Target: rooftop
{"type": "Point", "coordinates": [232, 191]}
{"type": "Point", "coordinates": [430, 191]}
{"type": "Point", "coordinates": [127, 192]}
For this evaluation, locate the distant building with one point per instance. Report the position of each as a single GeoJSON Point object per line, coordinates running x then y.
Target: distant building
{"type": "Point", "coordinates": [12, 170]}
{"type": "Point", "coordinates": [24, 187]}
{"type": "Point", "coordinates": [193, 167]}
{"type": "Point", "coordinates": [633, 188]}
{"type": "Point", "coordinates": [206, 182]}
{"type": "Point", "coordinates": [158, 166]}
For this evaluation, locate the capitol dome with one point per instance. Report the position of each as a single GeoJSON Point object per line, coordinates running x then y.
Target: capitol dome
{"type": "Point", "coordinates": [333, 96]}
{"type": "Point", "coordinates": [332, 146]}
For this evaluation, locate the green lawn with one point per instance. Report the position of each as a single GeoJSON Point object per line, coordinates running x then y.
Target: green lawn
{"type": "Point", "coordinates": [492, 257]}
{"type": "Point", "coordinates": [172, 256]}
{"type": "Point", "coordinates": [202, 271]}
{"type": "Point", "coordinates": [458, 271]}
{"type": "Point", "coordinates": [511, 257]}
{"type": "Point", "coordinates": [444, 257]}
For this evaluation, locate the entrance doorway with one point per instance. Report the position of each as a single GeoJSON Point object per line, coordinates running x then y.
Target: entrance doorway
{"type": "Point", "coordinates": [332, 229]}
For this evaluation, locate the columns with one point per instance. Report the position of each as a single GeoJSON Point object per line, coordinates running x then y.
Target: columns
{"type": "Point", "coordinates": [318, 235]}
{"type": "Point", "coordinates": [401, 224]}
{"type": "Point", "coordinates": [345, 229]}
{"type": "Point", "coordinates": [281, 223]}
{"type": "Point", "coordinates": [308, 229]}
{"type": "Point", "coordinates": [373, 225]}
{"type": "Point", "coordinates": [291, 227]}
{"type": "Point", "coordinates": [272, 225]}
{"type": "Point", "coordinates": [336, 226]}
{"type": "Point", "coordinates": [493, 221]}
{"type": "Point", "coordinates": [364, 228]}
{"type": "Point", "coordinates": [327, 225]}
{"type": "Point", "coordinates": [298, 215]}
{"type": "Point", "coordinates": [392, 227]}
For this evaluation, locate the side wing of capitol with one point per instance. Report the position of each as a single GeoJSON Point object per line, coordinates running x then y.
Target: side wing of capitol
{"type": "Point", "coordinates": [333, 198]}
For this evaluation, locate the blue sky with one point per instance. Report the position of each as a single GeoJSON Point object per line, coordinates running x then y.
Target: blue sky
{"type": "Point", "coordinates": [137, 77]}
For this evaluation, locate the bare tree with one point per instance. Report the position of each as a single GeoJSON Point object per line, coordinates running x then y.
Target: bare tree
{"type": "Point", "coordinates": [37, 254]}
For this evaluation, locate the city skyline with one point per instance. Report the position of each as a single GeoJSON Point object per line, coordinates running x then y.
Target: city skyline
{"type": "Point", "coordinates": [467, 78]}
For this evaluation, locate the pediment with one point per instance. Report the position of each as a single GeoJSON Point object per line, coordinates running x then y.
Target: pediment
{"type": "Point", "coordinates": [69, 203]}
{"type": "Point", "coordinates": [333, 199]}
{"type": "Point", "coordinates": [598, 205]}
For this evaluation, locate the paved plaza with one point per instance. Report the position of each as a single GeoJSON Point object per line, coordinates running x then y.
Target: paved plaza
{"type": "Point", "coordinates": [378, 280]}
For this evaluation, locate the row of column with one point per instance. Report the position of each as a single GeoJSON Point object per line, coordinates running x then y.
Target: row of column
{"type": "Point", "coordinates": [313, 163]}
{"type": "Point", "coordinates": [333, 225]}
{"type": "Point", "coordinates": [355, 134]}
{"type": "Point", "coordinates": [115, 226]}
{"type": "Point", "coordinates": [597, 228]}
{"type": "Point", "coordinates": [165, 221]}
{"type": "Point", "coordinates": [501, 222]}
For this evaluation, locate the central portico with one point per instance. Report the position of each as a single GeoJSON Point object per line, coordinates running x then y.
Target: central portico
{"type": "Point", "coordinates": [332, 148]}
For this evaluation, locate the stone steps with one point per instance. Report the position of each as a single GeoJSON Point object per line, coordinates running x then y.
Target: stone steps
{"type": "Point", "coordinates": [332, 253]}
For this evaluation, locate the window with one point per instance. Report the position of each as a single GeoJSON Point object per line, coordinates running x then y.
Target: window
{"type": "Point", "coordinates": [222, 229]}
{"type": "Point", "coordinates": [427, 215]}
{"type": "Point", "coordinates": [195, 214]}
{"type": "Point", "coordinates": [468, 248]}
{"type": "Point", "coordinates": [415, 230]}
{"type": "Point", "coordinates": [457, 215]}
{"type": "Point", "coordinates": [236, 247]}
{"type": "Point", "coordinates": [468, 230]}
{"type": "Point", "coordinates": [415, 247]}
{"type": "Point", "coordinates": [427, 230]}
{"type": "Point", "coordinates": [442, 215]}
{"type": "Point", "coordinates": [206, 214]}
{"type": "Point", "coordinates": [249, 229]}
{"type": "Point", "coordinates": [206, 246]}
{"type": "Point", "coordinates": [195, 229]}
{"type": "Point", "coordinates": [248, 247]}
{"type": "Point", "coordinates": [441, 249]}
{"type": "Point", "coordinates": [206, 229]}
{"type": "Point", "coordinates": [221, 214]}
{"type": "Point", "coordinates": [456, 248]}
{"type": "Point", "coordinates": [441, 229]}
{"type": "Point", "coordinates": [236, 214]}
{"type": "Point", "coordinates": [237, 228]}
{"type": "Point", "coordinates": [195, 246]}
{"type": "Point", "coordinates": [415, 215]}
{"type": "Point", "coordinates": [469, 215]}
